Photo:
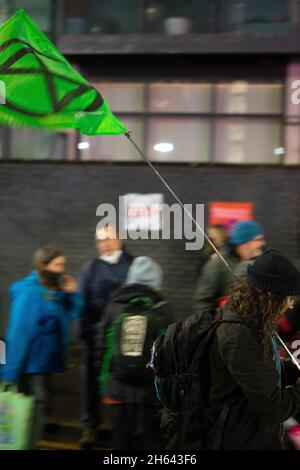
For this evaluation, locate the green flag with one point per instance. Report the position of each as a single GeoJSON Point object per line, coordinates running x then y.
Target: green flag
{"type": "Point", "coordinates": [42, 89]}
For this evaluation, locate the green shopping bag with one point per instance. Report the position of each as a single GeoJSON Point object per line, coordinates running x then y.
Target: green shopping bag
{"type": "Point", "coordinates": [16, 420]}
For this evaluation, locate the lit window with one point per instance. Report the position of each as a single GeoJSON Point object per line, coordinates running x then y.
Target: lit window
{"type": "Point", "coordinates": [241, 97]}
{"type": "Point", "coordinates": [113, 147]}
{"type": "Point", "coordinates": [190, 139]}
{"type": "Point", "coordinates": [180, 98]}
{"type": "Point", "coordinates": [123, 97]}
{"type": "Point", "coordinates": [247, 141]}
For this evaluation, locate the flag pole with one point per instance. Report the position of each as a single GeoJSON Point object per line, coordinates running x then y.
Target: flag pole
{"type": "Point", "coordinates": [287, 350]}
{"type": "Point", "coordinates": [155, 170]}
{"type": "Point", "coordinates": [129, 137]}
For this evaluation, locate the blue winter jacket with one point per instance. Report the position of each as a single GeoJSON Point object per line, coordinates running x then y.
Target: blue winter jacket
{"type": "Point", "coordinates": [38, 330]}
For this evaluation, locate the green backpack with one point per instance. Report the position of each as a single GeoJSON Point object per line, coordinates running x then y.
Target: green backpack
{"type": "Point", "coordinates": [129, 341]}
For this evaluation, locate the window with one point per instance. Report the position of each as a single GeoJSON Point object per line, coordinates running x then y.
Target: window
{"type": "Point", "coordinates": [36, 144]}
{"type": "Point", "coordinates": [157, 113]}
{"type": "Point", "coordinates": [247, 141]}
{"type": "Point", "coordinates": [123, 97]}
{"type": "Point", "coordinates": [228, 122]}
{"type": "Point", "coordinates": [129, 100]}
{"type": "Point", "coordinates": [201, 16]}
{"type": "Point", "coordinates": [114, 16]}
{"type": "Point", "coordinates": [180, 98]}
{"type": "Point", "coordinates": [110, 147]}
{"type": "Point", "coordinates": [241, 97]}
{"type": "Point", "coordinates": [39, 11]}
{"type": "Point", "coordinates": [193, 122]}
{"type": "Point", "coordinates": [255, 137]}
{"type": "Point", "coordinates": [189, 137]}
{"type": "Point", "coordinates": [102, 17]}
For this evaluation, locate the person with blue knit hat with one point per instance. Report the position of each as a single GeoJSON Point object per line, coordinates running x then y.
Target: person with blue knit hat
{"type": "Point", "coordinates": [245, 231]}
{"type": "Point", "coordinates": [246, 243]}
{"type": "Point", "coordinates": [248, 240]}
{"type": "Point", "coordinates": [248, 236]}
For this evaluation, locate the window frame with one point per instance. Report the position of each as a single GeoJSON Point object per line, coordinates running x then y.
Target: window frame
{"type": "Point", "coordinates": [212, 116]}
{"type": "Point", "coordinates": [73, 137]}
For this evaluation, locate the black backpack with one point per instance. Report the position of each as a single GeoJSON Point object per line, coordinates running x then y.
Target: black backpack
{"type": "Point", "coordinates": [180, 360]}
{"type": "Point", "coordinates": [134, 331]}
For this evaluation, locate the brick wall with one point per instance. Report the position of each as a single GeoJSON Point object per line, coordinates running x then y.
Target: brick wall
{"type": "Point", "coordinates": [56, 202]}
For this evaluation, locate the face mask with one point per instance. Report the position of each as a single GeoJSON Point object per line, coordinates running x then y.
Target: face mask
{"type": "Point", "coordinates": [112, 259]}
{"type": "Point", "coordinates": [51, 278]}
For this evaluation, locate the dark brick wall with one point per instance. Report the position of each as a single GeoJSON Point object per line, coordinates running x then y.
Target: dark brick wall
{"type": "Point", "coordinates": [56, 202]}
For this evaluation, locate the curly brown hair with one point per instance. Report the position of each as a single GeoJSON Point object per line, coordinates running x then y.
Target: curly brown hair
{"type": "Point", "coordinates": [259, 307]}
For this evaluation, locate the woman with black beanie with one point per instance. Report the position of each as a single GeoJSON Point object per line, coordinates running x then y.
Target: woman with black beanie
{"type": "Point", "coordinates": [244, 358]}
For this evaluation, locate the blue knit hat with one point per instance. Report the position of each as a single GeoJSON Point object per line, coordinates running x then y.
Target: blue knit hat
{"type": "Point", "coordinates": [245, 231]}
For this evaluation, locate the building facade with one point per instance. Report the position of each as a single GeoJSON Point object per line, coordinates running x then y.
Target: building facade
{"type": "Point", "coordinates": [218, 80]}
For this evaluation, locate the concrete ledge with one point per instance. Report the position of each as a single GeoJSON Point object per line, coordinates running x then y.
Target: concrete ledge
{"type": "Point", "coordinates": [221, 43]}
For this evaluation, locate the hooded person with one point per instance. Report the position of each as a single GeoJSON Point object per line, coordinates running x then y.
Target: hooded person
{"type": "Point", "coordinates": [245, 368]}
{"type": "Point", "coordinates": [246, 243]}
{"type": "Point", "coordinates": [136, 314]}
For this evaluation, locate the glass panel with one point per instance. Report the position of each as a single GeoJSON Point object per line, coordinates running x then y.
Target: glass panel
{"type": "Point", "coordinates": [181, 17]}
{"type": "Point", "coordinates": [180, 97]}
{"type": "Point", "coordinates": [31, 144]}
{"type": "Point", "coordinates": [102, 17]}
{"type": "Point", "coordinates": [273, 11]}
{"type": "Point", "coordinates": [123, 97]}
{"type": "Point", "coordinates": [190, 138]}
{"type": "Point", "coordinates": [114, 16]}
{"type": "Point", "coordinates": [113, 147]}
{"type": "Point", "coordinates": [245, 98]}
{"type": "Point", "coordinates": [204, 16]}
{"type": "Point", "coordinates": [255, 16]}
{"type": "Point", "coordinates": [248, 141]}
{"type": "Point", "coordinates": [39, 11]}
{"type": "Point", "coordinates": [177, 17]}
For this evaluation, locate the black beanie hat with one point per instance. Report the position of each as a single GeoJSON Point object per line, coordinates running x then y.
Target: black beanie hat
{"type": "Point", "coordinates": [274, 273]}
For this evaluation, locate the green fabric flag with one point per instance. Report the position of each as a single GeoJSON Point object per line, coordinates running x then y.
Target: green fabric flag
{"type": "Point", "coordinates": [42, 89]}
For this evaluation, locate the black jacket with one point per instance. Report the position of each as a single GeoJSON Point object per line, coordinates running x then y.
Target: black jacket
{"type": "Point", "coordinates": [97, 281]}
{"type": "Point", "coordinates": [242, 379]}
{"type": "Point", "coordinates": [116, 389]}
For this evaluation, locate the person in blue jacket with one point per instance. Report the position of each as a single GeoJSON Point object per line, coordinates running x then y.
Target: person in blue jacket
{"type": "Point", "coordinates": [37, 337]}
